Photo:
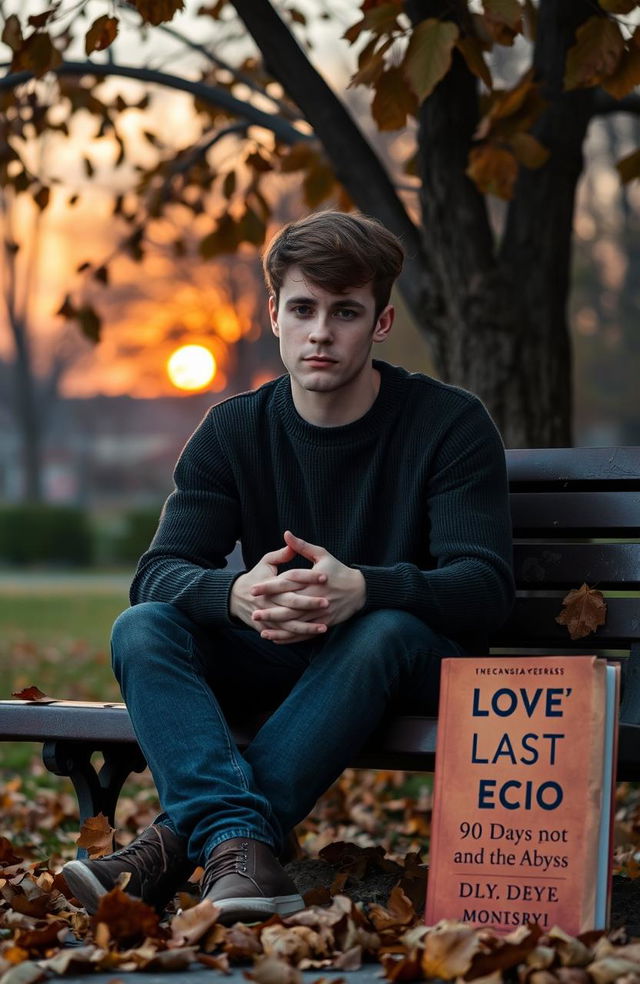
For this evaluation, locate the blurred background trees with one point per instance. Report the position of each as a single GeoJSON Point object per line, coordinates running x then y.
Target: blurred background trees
{"type": "Point", "coordinates": [164, 141]}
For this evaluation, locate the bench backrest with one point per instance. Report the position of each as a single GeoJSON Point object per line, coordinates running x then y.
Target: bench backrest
{"type": "Point", "coordinates": [576, 519]}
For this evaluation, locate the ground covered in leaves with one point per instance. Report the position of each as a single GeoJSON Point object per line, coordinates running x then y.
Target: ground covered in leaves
{"type": "Point", "coordinates": [360, 871]}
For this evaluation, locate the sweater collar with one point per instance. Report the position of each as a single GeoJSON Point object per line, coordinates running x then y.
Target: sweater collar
{"type": "Point", "coordinates": [346, 434]}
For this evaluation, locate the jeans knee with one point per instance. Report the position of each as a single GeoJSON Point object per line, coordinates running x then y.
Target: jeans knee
{"type": "Point", "coordinates": [134, 630]}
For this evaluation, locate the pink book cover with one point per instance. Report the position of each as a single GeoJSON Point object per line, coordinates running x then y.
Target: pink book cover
{"type": "Point", "coordinates": [517, 792]}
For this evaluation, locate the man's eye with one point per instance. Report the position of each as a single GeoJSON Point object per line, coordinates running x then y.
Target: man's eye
{"type": "Point", "coordinates": [302, 310]}
{"type": "Point", "coordinates": [346, 314]}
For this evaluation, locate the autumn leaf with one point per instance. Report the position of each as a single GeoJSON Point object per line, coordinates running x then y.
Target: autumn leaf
{"type": "Point", "coordinates": [42, 198]}
{"type": "Point", "coordinates": [449, 949]}
{"type": "Point", "coordinates": [96, 835]}
{"type": "Point", "coordinates": [471, 50]}
{"type": "Point", "coordinates": [504, 953]}
{"type": "Point", "coordinates": [398, 912]}
{"type": "Point", "coordinates": [273, 970]}
{"type": "Point", "coordinates": [128, 919]}
{"type": "Point", "coordinates": [584, 610]}
{"type": "Point", "coordinates": [12, 33]}
{"type": "Point", "coordinates": [503, 20]}
{"type": "Point", "coordinates": [156, 11]}
{"type": "Point", "coordinates": [528, 150]}
{"type": "Point", "coordinates": [36, 54]}
{"type": "Point", "coordinates": [393, 100]}
{"type": "Point", "coordinates": [318, 183]}
{"type": "Point", "coordinates": [191, 925]}
{"type": "Point", "coordinates": [629, 167]}
{"type": "Point", "coordinates": [428, 55]}
{"type": "Point", "coordinates": [370, 63]}
{"type": "Point", "coordinates": [493, 170]}
{"type": "Point", "coordinates": [595, 55]}
{"type": "Point", "coordinates": [89, 321]}
{"type": "Point", "coordinates": [32, 693]}
{"type": "Point", "coordinates": [381, 19]}
{"type": "Point", "coordinates": [101, 33]}
{"type": "Point", "coordinates": [626, 77]}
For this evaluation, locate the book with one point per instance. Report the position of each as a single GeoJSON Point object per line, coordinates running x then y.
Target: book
{"type": "Point", "coordinates": [523, 795]}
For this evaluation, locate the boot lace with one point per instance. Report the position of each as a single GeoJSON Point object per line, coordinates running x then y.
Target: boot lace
{"type": "Point", "coordinates": [145, 854]}
{"type": "Point", "coordinates": [229, 860]}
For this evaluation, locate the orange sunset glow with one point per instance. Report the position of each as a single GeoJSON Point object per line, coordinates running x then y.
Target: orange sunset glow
{"type": "Point", "coordinates": [191, 367]}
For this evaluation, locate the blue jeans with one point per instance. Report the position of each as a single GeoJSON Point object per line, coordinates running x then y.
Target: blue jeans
{"type": "Point", "coordinates": [182, 682]}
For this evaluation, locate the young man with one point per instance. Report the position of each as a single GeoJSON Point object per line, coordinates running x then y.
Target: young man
{"type": "Point", "coordinates": [371, 505]}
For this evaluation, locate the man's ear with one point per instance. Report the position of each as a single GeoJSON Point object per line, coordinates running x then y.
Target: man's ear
{"type": "Point", "coordinates": [273, 316]}
{"type": "Point", "coordinates": [384, 324]}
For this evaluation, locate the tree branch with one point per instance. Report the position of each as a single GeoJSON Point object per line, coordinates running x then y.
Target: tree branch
{"type": "Point", "coordinates": [352, 157]}
{"type": "Point", "coordinates": [210, 94]}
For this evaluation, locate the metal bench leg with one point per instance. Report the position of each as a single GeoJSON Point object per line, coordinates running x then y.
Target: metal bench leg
{"type": "Point", "coordinates": [97, 791]}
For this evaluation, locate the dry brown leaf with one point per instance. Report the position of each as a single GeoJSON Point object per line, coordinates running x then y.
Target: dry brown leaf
{"type": "Point", "coordinates": [242, 943]}
{"type": "Point", "coordinates": [449, 950]}
{"type": "Point", "coordinates": [584, 610]}
{"type": "Point", "coordinates": [32, 693]}
{"type": "Point", "coordinates": [571, 951]}
{"type": "Point", "coordinates": [572, 975]}
{"type": "Point", "coordinates": [128, 919]}
{"type": "Point", "coordinates": [609, 969]}
{"type": "Point", "coordinates": [271, 970]}
{"type": "Point", "coordinates": [96, 835]}
{"type": "Point", "coordinates": [399, 912]}
{"type": "Point", "coordinates": [219, 962]}
{"type": "Point", "coordinates": [190, 925]}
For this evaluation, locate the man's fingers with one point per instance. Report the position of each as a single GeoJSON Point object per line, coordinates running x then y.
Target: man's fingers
{"type": "Point", "coordinates": [301, 630]}
{"type": "Point", "coordinates": [308, 550]}
{"type": "Point", "coordinates": [281, 556]}
{"type": "Point", "coordinates": [295, 601]}
{"type": "Point", "coordinates": [288, 581]}
{"type": "Point", "coordinates": [280, 614]}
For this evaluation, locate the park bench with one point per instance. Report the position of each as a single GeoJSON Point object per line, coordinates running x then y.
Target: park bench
{"type": "Point", "coordinates": [576, 519]}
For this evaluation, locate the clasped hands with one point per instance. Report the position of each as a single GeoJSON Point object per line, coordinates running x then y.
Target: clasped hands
{"type": "Point", "coordinates": [299, 604]}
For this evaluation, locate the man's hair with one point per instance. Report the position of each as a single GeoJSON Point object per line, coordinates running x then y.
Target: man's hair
{"type": "Point", "coordinates": [336, 251]}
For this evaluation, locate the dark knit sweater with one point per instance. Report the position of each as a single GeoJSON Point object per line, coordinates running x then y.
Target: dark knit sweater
{"type": "Point", "coordinates": [413, 494]}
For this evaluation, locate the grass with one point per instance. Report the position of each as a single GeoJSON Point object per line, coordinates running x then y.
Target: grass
{"type": "Point", "coordinates": [57, 640]}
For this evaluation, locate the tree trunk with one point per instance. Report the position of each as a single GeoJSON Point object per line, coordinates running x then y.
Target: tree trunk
{"type": "Point", "coordinates": [536, 249]}
{"type": "Point", "coordinates": [502, 329]}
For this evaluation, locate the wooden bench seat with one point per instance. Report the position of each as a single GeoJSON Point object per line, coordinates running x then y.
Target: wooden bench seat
{"type": "Point", "coordinates": [576, 519]}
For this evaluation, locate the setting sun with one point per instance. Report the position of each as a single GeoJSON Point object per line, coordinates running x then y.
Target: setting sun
{"type": "Point", "coordinates": [191, 367]}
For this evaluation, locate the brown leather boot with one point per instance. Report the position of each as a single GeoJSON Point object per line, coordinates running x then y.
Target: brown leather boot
{"type": "Point", "coordinates": [156, 861]}
{"type": "Point", "coordinates": [245, 881]}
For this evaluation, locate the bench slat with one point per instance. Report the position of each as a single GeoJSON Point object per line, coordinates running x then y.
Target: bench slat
{"type": "Point", "coordinates": [535, 466]}
{"type": "Point", "coordinates": [586, 513]}
{"type": "Point", "coordinates": [532, 623]}
{"type": "Point", "coordinates": [553, 564]}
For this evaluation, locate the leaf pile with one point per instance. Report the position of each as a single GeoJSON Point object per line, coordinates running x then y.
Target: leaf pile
{"type": "Point", "coordinates": [38, 921]}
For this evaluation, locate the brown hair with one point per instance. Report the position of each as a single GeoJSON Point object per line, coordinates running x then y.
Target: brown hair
{"type": "Point", "coordinates": [336, 250]}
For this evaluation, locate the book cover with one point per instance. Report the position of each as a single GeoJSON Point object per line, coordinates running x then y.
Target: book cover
{"type": "Point", "coordinates": [525, 770]}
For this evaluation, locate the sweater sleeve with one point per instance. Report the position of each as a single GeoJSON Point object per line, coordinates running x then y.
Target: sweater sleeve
{"type": "Point", "coordinates": [470, 588]}
{"type": "Point", "coordinates": [199, 526]}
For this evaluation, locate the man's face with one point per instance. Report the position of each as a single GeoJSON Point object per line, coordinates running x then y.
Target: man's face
{"type": "Point", "coordinates": [326, 338]}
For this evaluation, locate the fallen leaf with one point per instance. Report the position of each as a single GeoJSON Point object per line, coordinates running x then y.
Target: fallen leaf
{"type": "Point", "coordinates": [584, 610]}
{"type": "Point", "coordinates": [127, 918]}
{"type": "Point", "coordinates": [272, 970]}
{"type": "Point", "coordinates": [31, 693]}
{"type": "Point", "coordinates": [399, 912]}
{"type": "Point", "coordinates": [191, 924]}
{"type": "Point", "coordinates": [449, 950]}
{"type": "Point", "coordinates": [96, 834]}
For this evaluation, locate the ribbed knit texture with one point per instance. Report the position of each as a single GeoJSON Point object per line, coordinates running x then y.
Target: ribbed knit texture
{"type": "Point", "coordinates": [414, 494]}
